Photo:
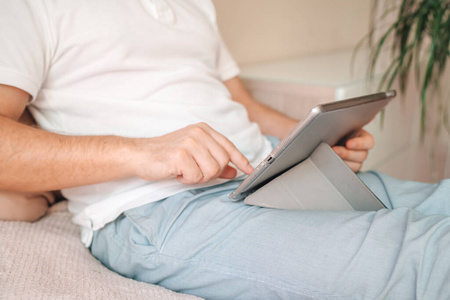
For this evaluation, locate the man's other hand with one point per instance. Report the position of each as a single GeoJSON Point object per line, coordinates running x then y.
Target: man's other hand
{"type": "Point", "coordinates": [356, 149]}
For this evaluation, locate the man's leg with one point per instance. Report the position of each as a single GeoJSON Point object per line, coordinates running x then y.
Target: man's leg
{"type": "Point", "coordinates": [201, 243]}
{"type": "Point", "coordinates": [427, 198]}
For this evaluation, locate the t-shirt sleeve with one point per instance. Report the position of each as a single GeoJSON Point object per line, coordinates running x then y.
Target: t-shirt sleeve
{"type": "Point", "coordinates": [24, 44]}
{"type": "Point", "coordinates": [226, 65]}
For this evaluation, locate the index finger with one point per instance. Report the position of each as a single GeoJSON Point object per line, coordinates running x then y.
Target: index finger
{"type": "Point", "coordinates": [236, 157]}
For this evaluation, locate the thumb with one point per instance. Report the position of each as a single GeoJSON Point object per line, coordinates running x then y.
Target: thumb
{"type": "Point", "coordinates": [228, 173]}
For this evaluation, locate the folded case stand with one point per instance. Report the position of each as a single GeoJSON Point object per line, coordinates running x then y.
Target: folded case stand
{"type": "Point", "coordinates": [321, 182]}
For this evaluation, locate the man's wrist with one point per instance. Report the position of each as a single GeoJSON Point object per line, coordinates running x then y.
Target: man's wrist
{"type": "Point", "coordinates": [129, 155]}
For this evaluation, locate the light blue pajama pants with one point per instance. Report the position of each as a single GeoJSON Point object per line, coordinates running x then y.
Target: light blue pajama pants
{"type": "Point", "coordinates": [199, 242]}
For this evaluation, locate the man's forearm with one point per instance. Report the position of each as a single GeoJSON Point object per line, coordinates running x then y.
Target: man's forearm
{"type": "Point", "coordinates": [270, 121]}
{"type": "Point", "coordinates": [36, 160]}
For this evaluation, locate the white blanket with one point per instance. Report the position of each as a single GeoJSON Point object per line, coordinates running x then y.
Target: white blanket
{"type": "Point", "coordinates": [46, 260]}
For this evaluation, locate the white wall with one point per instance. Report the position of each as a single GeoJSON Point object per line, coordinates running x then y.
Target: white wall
{"type": "Point", "coordinates": [261, 30]}
{"type": "Point", "coordinates": [266, 30]}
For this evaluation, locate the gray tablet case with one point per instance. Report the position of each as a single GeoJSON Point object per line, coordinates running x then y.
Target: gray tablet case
{"type": "Point", "coordinates": [321, 182]}
{"type": "Point", "coordinates": [303, 172]}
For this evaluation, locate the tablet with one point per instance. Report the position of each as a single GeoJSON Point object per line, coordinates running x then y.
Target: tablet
{"type": "Point", "coordinates": [332, 123]}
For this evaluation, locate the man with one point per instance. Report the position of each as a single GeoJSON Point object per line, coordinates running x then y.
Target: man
{"type": "Point", "coordinates": [139, 132]}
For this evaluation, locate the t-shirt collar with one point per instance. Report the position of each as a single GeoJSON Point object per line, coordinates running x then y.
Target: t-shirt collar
{"type": "Point", "coordinates": [160, 10]}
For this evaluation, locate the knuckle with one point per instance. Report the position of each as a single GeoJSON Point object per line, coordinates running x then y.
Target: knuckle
{"type": "Point", "coordinates": [230, 145]}
{"type": "Point", "coordinates": [354, 143]}
{"type": "Point", "coordinates": [344, 153]}
{"type": "Point", "coordinates": [223, 157]}
{"type": "Point", "coordinates": [211, 171]}
{"type": "Point", "coordinates": [180, 154]}
{"type": "Point", "coordinates": [197, 132]}
{"type": "Point", "coordinates": [223, 162]}
{"type": "Point", "coordinates": [188, 142]}
{"type": "Point", "coordinates": [197, 177]}
{"type": "Point", "coordinates": [193, 177]}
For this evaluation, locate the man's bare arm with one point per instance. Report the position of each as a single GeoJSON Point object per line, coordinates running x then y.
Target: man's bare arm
{"type": "Point", "coordinates": [269, 120]}
{"type": "Point", "coordinates": [277, 124]}
{"type": "Point", "coordinates": [33, 160]}
{"type": "Point", "coordinates": [36, 160]}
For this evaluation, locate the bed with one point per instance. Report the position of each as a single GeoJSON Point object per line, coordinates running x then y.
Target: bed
{"type": "Point", "coordinates": [46, 260]}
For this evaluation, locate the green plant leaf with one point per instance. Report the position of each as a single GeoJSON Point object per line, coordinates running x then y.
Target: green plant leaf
{"type": "Point", "coordinates": [420, 33]}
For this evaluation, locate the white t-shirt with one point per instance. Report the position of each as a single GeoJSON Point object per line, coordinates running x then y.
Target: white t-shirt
{"type": "Point", "coordinates": [133, 68]}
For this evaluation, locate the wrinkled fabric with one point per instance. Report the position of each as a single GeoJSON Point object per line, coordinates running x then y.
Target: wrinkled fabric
{"type": "Point", "coordinates": [199, 242]}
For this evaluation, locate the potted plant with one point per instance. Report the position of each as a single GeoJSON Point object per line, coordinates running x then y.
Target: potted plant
{"type": "Point", "coordinates": [418, 35]}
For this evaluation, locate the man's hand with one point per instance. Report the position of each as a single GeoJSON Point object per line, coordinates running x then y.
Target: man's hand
{"type": "Point", "coordinates": [356, 149]}
{"type": "Point", "coordinates": [194, 154]}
